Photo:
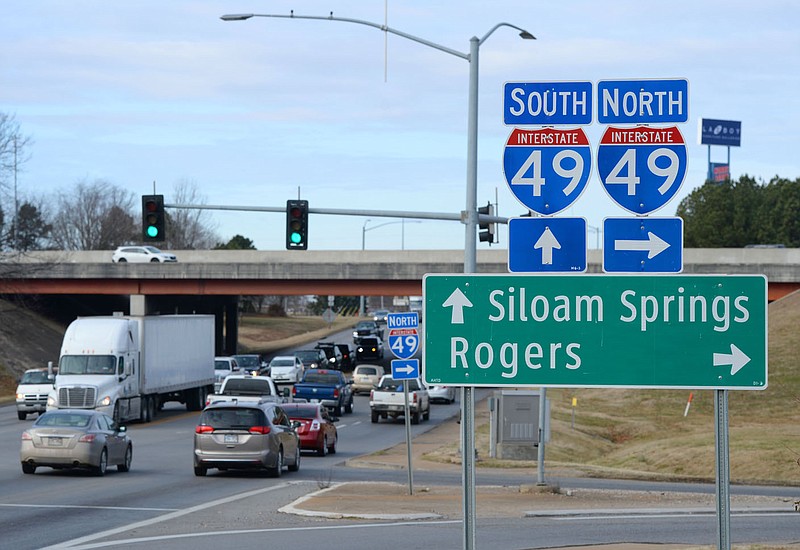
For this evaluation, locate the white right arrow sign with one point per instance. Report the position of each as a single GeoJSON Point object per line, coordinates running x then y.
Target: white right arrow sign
{"type": "Point", "coordinates": [736, 359]}
{"type": "Point", "coordinates": [653, 245]}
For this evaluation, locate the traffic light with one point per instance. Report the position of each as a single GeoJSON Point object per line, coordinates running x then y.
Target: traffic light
{"type": "Point", "coordinates": [296, 225]}
{"type": "Point", "coordinates": [153, 218]}
{"type": "Point", "coordinates": [486, 229]}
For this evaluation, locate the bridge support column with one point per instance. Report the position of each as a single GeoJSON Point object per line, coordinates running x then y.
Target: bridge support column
{"type": "Point", "coordinates": [231, 325]}
{"type": "Point", "coordinates": [138, 304]}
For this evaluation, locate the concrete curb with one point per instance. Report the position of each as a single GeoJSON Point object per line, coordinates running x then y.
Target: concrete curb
{"type": "Point", "coordinates": [294, 508]}
{"type": "Point", "coordinates": [652, 512]}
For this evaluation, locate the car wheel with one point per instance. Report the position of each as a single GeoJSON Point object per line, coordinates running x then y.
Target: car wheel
{"type": "Point", "coordinates": [278, 469]}
{"type": "Point", "coordinates": [100, 469]}
{"type": "Point", "coordinates": [28, 468]}
{"type": "Point", "coordinates": [22, 415]}
{"type": "Point", "coordinates": [126, 465]}
{"type": "Point", "coordinates": [332, 448]}
{"type": "Point", "coordinates": [337, 410]}
{"type": "Point", "coordinates": [296, 465]}
{"type": "Point", "coordinates": [374, 418]}
{"type": "Point", "coordinates": [427, 414]}
{"type": "Point", "coordinates": [348, 408]}
{"type": "Point", "coordinates": [154, 260]}
{"type": "Point", "coordinates": [322, 451]}
{"type": "Point", "coordinates": [122, 261]}
{"type": "Point", "coordinates": [200, 471]}
{"type": "Point", "coordinates": [415, 418]}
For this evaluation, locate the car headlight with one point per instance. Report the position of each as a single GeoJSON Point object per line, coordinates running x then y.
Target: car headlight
{"type": "Point", "coordinates": [104, 402]}
{"type": "Point", "coordinates": [51, 401]}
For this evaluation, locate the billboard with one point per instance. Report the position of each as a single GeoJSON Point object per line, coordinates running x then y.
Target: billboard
{"type": "Point", "coordinates": [720, 132]}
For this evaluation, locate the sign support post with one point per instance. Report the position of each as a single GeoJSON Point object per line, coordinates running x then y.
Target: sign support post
{"type": "Point", "coordinates": [408, 437]}
{"type": "Point", "coordinates": [723, 470]}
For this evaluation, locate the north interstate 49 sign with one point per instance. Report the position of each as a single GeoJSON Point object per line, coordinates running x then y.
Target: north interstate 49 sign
{"type": "Point", "coordinates": [623, 331]}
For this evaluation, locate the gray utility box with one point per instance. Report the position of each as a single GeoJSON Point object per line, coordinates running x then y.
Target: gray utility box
{"type": "Point", "coordinates": [516, 426]}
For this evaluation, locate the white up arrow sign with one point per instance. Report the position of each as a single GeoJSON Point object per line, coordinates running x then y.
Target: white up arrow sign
{"type": "Point", "coordinates": [653, 245]}
{"type": "Point", "coordinates": [458, 301]}
{"type": "Point", "coordinates": [547, 242]}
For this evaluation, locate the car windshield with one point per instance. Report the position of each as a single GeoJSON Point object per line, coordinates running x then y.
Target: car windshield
{"type": "Point", "coordinates": [367, 342]}
{"type": "Point", "coordinates": [35, 377]}
{"type": "Point", "coordinates": [367, 370]}
{"type": "Point", "coordinates": [247, 386]}
{"type": "Point", "coordinates": [321, 378]}
{"type": "Point", "coordinates": [397, 385]}
{"type": "Point", "coordinates": [300, 412]}
{"type": "Point", "coordinates": [86, 364]}
{"type": "Point", "coordinates": [365, 325]}
{"type": "Point", "coordinates": [222, 365]}
{"type": "Point", "coordinates": [308, 356]}
{"type": "Point", "coordinates": [248, 360]}
{"type": "Point", "coordinates": [233, 418]}
{"type": "Point", "coordinates": [64, 420]}
{"type": "Point", "coordinates": [282, 363]}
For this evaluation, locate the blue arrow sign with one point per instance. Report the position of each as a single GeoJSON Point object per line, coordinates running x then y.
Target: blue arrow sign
{"type": "Point", "coordinates": [547, 103]}
{"type": "Point", "coordinates": [643, 245]}
{"type": "Point", "coordinates": [405, 369]}
{"type": "Point", "coordinates": [643, 101]}
{"type": "Point", "coordinates": [547, 245]}
{"type": "Point", "coordinates": [641, 168]}
{"type": "Point", "coordinates": [547, 169]}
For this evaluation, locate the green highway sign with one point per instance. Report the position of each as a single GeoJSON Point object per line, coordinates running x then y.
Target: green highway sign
{"type": "Point", "coordinates": [620, 331]}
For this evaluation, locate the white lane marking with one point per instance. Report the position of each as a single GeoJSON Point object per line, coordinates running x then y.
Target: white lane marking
{"type": "Point", "coordinates": [140, 540]}
{"type": "Point", "coordinates": [166, 517]}
{"type": "Point", "coordinates": [65, 506]}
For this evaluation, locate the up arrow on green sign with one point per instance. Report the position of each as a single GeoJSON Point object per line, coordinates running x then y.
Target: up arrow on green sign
{"type": "Point", "coordinates": [634, 331]}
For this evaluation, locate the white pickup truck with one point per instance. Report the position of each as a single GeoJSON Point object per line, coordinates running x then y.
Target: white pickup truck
{"type": "Point", "coordinates": [388, 399]}
{"type": "Point", "coordinates": [246, 387]}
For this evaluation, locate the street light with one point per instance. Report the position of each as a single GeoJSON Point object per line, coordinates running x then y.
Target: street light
{"type": "Point", "coordinates": [470, 215]}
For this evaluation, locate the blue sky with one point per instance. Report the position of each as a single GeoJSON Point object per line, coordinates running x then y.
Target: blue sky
{"type": "Point", "coordinates": [253, 111]}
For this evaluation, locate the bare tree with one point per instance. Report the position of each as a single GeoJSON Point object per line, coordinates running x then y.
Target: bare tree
{"type": "Point", "coordinates": [94, 216]}
{"type": "Point", "coordinates": [13, 153]}
{"type": "Point", "coordinates": [190, 229]}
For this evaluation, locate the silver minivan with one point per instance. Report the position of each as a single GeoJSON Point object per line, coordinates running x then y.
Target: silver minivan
{"type": "Point", "coordinates": [256, 436]}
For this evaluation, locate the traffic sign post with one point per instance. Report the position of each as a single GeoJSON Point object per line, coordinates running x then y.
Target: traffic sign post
{"type": "Point", "coordinates": [637, 331]}
{"type": "Point", "coordinates": [641, 168]}
{"type": "Point", "coordinates": [643, 245]}
{"type": "Point", "coordinates": [547, 169]}
{"type": "Point", "coordinates": [547, 245]}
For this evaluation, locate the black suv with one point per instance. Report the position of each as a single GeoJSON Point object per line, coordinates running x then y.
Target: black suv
{"type": "Point", "coordinates": [312, 358]}
{"type": "Point", "coordinates": [333, 354]}
{"type": "Point", "coordinates": [370, 348]}
{"type": "Point", "coordinates": [348, 356]}
{"type": "Point", "coordinates": [366, 328]}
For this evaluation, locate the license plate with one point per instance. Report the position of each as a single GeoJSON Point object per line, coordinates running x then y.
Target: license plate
{"type": "Point", "coordinates": [231, 438]}
{"type": "Point", "coordinates": [55, 441]}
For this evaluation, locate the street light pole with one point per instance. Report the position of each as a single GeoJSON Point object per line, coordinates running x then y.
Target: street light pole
{"type": "Point", "coordinates": [470, 218]}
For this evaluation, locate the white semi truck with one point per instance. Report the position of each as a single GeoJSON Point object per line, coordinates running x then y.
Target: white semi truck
{"type": "Point", "coordinates": [129, 366]}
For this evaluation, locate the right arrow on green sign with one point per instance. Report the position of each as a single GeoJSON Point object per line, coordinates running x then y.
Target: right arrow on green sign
{"type": "Point", "coordinates": [637, 331]}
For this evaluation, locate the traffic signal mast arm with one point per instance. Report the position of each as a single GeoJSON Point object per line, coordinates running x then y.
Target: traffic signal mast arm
{"type": "Point", "coordinates": [444, 216]}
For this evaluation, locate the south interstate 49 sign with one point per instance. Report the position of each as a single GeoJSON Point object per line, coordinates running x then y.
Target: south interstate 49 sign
{"type": "Point", "coordinates": [547, 169]}
{"type": "Point", "coordinates": [622, 331]}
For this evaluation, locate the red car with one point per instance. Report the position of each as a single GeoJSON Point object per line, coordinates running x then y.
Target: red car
{"type": "Point", "coordinates": [317, 430]}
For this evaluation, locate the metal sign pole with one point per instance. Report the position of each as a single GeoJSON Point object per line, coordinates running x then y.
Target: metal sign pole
{"type": "Point", "coordinates": [723, 471]}
{"type": "Point", "coordinates": [408, 438]}
{"type": "Point", "coordinates": [468, 465]}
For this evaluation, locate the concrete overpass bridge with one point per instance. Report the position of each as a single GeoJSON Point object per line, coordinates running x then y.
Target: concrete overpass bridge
{"type": "Point", "coordinates": [212, 281]}
{"type": "Point", "coordinates": [340, 273]}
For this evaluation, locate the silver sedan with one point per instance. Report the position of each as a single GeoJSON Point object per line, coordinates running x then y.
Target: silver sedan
{"type": "Point", "coordinates": [71, 438]}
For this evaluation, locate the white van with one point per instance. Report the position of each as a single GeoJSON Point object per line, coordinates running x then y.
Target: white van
{"type": "Point", "coordinates": [32, 392]}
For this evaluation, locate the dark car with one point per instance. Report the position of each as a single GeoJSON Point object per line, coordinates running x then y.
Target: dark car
{"type": "Point", "coordinates": [348, 356]}
{"type": "Point", "coordinates": [333, 353]}
{"type": "Point", "coordinates": [366, 328]}
{"type": "Point", "coordinates": [370, 348]}
{"type": "Point", "coordinates": [248, 436]}
{"type": "Point", "coordinates": [317, 430]}
{"type": "Point", "coordinates": [250, 363]}
{"type": "Point", "coordinates": [312, 358]}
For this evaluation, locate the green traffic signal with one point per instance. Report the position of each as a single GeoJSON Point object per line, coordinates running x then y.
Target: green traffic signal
{"type": "Point", "coordinates": [153, 218]}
